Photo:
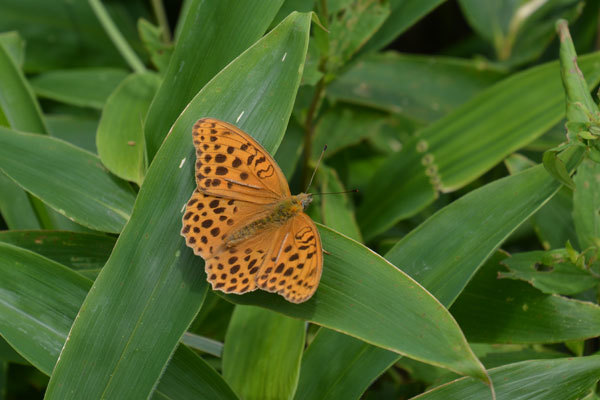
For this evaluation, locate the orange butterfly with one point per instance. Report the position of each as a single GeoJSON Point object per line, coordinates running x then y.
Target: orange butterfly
{"type": "Point", "coordinates": [244, 222]}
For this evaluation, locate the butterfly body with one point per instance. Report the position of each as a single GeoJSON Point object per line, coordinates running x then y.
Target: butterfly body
{"type": "Point", "coordinates": [282, 212]}
{"type": "Point", "coordinates": [243, 220]}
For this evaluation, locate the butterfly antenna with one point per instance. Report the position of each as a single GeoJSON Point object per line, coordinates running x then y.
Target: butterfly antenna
{"type": "Point", "coordinates": [315, 171]}
{"type": "Point", "coordinates": [345, 191]}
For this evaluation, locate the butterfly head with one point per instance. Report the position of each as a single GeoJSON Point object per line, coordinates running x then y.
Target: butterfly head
{"type": "Point", "coordinates": [304, 199]}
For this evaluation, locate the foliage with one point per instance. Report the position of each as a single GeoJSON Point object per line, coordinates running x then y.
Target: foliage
{"type": "Point", "coordinates": [467, 265]}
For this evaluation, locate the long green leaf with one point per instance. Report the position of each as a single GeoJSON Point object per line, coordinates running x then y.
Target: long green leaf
{"type": "Point", "coordinates": [40, 299]}
{"type": "Point", "coordinates": [203, 48]}
{"type": "Point", "coordinates": [70, 30]}
{"type": "Point", "coordinates": [466, 232]}
{"type": "Point", "coordinates": [418, 87]}
{"type": "Point", "coordinates": [88, 87]}
{"type": "Point", "coordinates": [261, 357]}
{"type": "Point", "coordinates": [559, 379]}
{"type": "Point", "coordinates": [404, 14]}
{"type": "Point", "coordinates": [493, 310]}
{"type": "Point", "coordinates": [20, 109]}
{"type": "Point", "coordinates": [337, 366]}
{"type": "Point", "coordinates": [77, 250]}
{"type": "Point", "coordinates": [152, 278]}
{"type": "Point", "coordinates": [458, 148]}
{"type": "Point", "coordinates": [17, 100]}
{"type": "Point", "coordinates": [70, 180]}
{"type": "Point", "coordinates": [445, 271]}
{"type": "Point", "coordinates": [380, 305]}
{"type": "Point", "coordinates": [586, 202]}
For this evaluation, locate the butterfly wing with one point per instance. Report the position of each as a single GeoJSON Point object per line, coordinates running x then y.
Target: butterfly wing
{"type": "Point", "coordinates": [232, 164]}
{"type": "Point", "coordinates": [208, 220]}
{"type": "Point", "coordinates": [234, 270]}
{"type": "Point", "coordinates": [293, 266]}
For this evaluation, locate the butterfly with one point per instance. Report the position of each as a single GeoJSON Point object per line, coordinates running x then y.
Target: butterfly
{"type": "Point", "coordinates": [244, 222]}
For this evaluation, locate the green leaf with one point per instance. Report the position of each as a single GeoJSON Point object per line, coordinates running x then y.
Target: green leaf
{"type": "Point", "coordinates": [351, 27]}
{"type": "Point", "coordinates": [261, 358]}
{"type": "Point", "coordinates": [336, 209]}
{"type": "Point", "coordinates": [460, 147]}
{"type": "Point", "coordinates": [466, 232]}
{"type": "Point", "coordinates": [152, 278]}
{"type": "Point", "coordinates": [20, 110]}
{"type": "Point", "coordinates": [68, 179]}
{"type": "Point", "coordinates": [576, 88]}
{"type": "Point", "coordinates": [447, 270]}
{"type": "Point", "coordinates": [549, 271]}
{"type": "Point", "coordinates": [492, 310]}
{"type": "Point", "coordinates": [77, 250]}
{"type": "Point", "coordinates": [340, 127]}
{"type": "Point", "coordinates": [553, 223]}
{"type": "Point", "coordinates": [409, 320]}
{"type": "Point", "coordinates": [16, 210]}
{"type": "Point", "coordinates": [14, 45]}
{"type": "Point", "coordinates": [586, 204]}
{"type": "Point", "coordinates": [559, 379]}
{"type": "Point", "coordinates": [204, 344]}
{"type": "Point", "coordinates": [160, 52]}
{"type": "Point", "coordinates": [290, 150]}
{"type": "Point", "coordinates": [44, 299]}
{"type": "Point", "coordinates": [17, 100]}
{"type": "Point", "coordinates": [195, 62]}
{"type": "Point", "coordinates": [555, 167]}
{"type": "Point", "coordinates": [516, 163]}
{"type": "Point", "coordinates": [79, 130]}
{"type": "Point", "coordinates": [417, 87]}
{"type": "Point", "coordinates": [89, 87]}
{"type": "Point", "coordinates": [404, 13]}
{"type": "Point", "coordinates": [70, 29]}
{"type": "Point", "coordinates": [349, 367]}
{"type": "Point", "coordinates": [120, 137]}
{"type": "Point", "coordinates": [519, 31]}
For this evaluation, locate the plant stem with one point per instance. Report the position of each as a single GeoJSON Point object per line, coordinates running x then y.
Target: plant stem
{"type": "Point", "coordinates": [117, 38]}
{"type": "Point", "coordinates": [161, 17]}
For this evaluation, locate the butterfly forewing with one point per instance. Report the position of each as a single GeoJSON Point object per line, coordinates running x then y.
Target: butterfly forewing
{"type": "Point", "coordinates": [230, 163]}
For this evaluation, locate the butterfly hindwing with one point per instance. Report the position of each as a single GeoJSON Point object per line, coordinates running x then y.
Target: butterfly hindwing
{"type": "Point", "coordinates": [234, 270]}
{"type": "Point", "coordinates": [230, 163]}
{"type": "Point", "coordinates": [293, 267]}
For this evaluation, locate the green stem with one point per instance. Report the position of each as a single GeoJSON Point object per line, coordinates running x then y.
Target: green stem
{"type": "Point", "coordinates": [117, 38]}
{"type": "Point", "coordinates": [161, 17]}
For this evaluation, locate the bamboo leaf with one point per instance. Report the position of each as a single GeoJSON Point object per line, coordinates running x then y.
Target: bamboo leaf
{"type": "Point", "coordinates": [586, 204]}
{"type": "Point", "coordinates": [559, 379]}
{"type": "Point", "coordinates": [152, 278]}
{"type": "Point", "coordinates": [88, 87]}
{"type": "Point", "coordinates": [492, 310]}
{"type": "Point", "coordinates": [41, 300]}
{"type": "Point", "coordinates": [409, 320]}
{"type": "Point", "coordinates": [261, 358]}
{"type": "Point", "coordinates": [70, 180]}
{"type": "Point", "coordinates": [194, 62]}
{"type": "Point", "coordinates": [461, 146]}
